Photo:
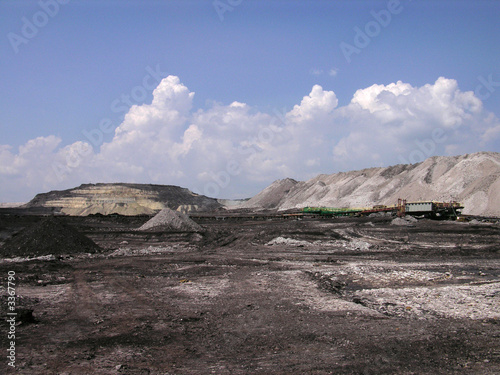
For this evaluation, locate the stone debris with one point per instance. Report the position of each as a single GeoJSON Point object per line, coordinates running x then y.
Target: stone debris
{"type": "Point", "coordinates": [353, 244]}
{"type": "Point", "coordinates": [288, 241]}
{"type": "Point", "coordinates": [150, 250]}
{"type": "Point", "coordinates": [404, 221]}
{"type": "Point", "coordinates": [465, 301]}
{"type": "Point", "coordinates": [168, 219]}
{"type": "Point", "coordinates": [480, 222]}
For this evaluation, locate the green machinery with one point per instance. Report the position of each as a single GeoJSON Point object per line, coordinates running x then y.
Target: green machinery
{"type": "Point", "coordinates": [429, 209]}
{"type": "Point", "coordinates": [330, 211]}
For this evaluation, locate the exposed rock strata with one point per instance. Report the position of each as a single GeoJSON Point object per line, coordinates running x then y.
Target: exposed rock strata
{"type": "Point", "coordinates": [123, 199]}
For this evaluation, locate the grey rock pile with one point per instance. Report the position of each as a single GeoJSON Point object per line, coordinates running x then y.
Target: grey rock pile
{"type": "Point", "coordinates": [404, 221]}
{"type": "Point", "coordinates": [170, 220]}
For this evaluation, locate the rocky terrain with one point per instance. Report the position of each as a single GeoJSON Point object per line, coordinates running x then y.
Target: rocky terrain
{"type": "Point", "coordinates": [151, 290]}
{"type": "Point", "coordinates": [471, 179]}
{"type": "Point", "coordinates": [121, 198]}
{"type": "Point", "coordinates": [255, 295]}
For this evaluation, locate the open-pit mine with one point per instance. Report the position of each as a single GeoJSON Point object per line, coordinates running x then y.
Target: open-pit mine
{"type": "Point", "coordinates": [151, 279]}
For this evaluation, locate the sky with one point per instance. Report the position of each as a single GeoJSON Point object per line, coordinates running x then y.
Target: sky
{"type": "Point", "coordinates": [224, 97]}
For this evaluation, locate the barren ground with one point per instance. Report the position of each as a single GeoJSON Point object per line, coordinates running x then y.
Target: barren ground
{"type": "Point", "coordinates": [315, 296]}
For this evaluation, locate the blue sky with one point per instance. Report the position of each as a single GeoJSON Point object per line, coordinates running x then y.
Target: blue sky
{"type": "Point", "coordinates": [87, 56]}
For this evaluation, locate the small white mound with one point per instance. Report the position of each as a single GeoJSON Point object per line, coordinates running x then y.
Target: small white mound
{"type": "Point", "coordinates": [287, 241]}
{"type": "Point", "coordinates": [168, 219]}
{"type": "Point", "coordinates": [404, 221]}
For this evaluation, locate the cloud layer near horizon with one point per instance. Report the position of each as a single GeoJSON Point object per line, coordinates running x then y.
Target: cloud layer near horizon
{"type": "Point", "coordinates": [234, 150]}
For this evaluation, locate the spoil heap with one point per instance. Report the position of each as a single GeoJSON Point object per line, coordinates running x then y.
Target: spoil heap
{"type": "Point", "coordinates": [171, 220]}
{"type": "Point", "coordinates": [49, 236]}
{"type": "Point", "coordinates": [471, 179]}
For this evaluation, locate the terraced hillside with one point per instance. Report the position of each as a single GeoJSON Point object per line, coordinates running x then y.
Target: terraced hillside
{"type": "Point", "coordinates": [123, 199]}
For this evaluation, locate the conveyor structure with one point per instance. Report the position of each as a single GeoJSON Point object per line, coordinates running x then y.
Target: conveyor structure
{"type": "Point", "coordinates": [429, 209]}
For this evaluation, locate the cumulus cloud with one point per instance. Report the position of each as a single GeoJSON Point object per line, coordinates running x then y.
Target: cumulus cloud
{"type": "Point", "coordinates": [28, 169]}
{"type": "Point", "coordinates": [400, 123]}
{"type": "Point", "coordinates": [317, 104]}
{"type": "Point", "coordinates": [233, 150]}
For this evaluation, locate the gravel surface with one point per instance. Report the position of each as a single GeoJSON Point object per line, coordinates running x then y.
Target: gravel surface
{"type": "Point", "coordinates": [262, 297]}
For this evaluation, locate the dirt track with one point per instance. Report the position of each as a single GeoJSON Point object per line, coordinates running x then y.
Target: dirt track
{"type": "Point", "coordinates": [259, 297]}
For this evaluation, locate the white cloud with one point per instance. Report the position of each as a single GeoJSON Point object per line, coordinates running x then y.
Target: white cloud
{"type": "Point", "coordinates": [234, 150]}
{"type": "Point", "coordinates": [397, 119]}
{"type": "Point", "coordinates": [28, 170]}
{"type": "Point", "coordinates": [333, 72]}
{"type": "Point", "coordinates": [316, 72]}
{"type": "Point", "coordinates": [317, 104]}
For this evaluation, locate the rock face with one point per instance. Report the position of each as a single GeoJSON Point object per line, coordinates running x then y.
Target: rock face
{"type": "Point", "coordinates": [272, 196]}
{"type": "Point", "coordinates": [471, 179]}
{"type": "Point", "coordinates": [49, 236]}
{"type": "Point", "coordinates": [121, 198]}
{"type": "Point", "coordinates": [170, 220]}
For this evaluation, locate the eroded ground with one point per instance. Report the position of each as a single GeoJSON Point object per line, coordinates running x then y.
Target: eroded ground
{"type": "Point", "coordinates": [309, 296]}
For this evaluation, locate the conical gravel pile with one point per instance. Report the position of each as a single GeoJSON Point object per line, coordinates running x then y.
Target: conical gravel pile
{"type": "Point", "coordinates": [168, 219]}
{"type": "Point", "coordinates": [49, 236]}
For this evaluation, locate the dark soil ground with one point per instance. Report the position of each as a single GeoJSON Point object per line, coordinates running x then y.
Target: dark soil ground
{"type": "Point", "coordinates": [312, 296]}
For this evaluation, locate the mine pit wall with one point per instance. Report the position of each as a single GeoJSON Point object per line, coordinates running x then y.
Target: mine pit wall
{"type": "Point", "coordinates": [122, 199]}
